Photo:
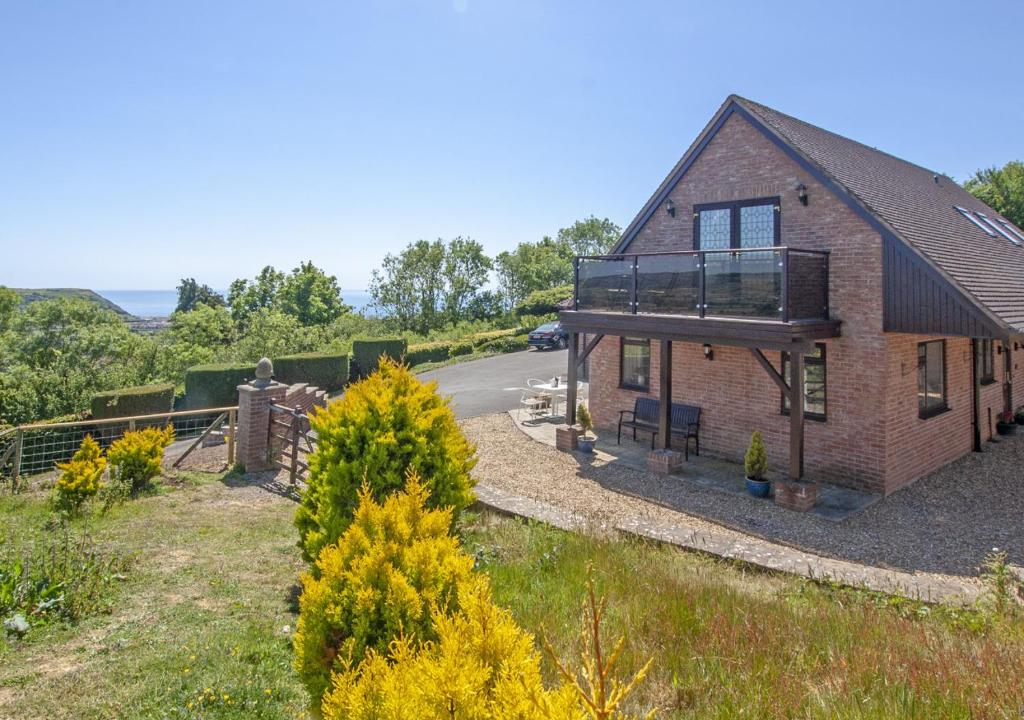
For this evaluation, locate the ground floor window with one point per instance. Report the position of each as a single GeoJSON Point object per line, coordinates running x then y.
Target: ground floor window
{"type": "Point", "coordinates": [635, 363]}
{"type": "Point", "coordinates": [931, 378]}
{"type": "Point", "coordinates": [988, 374]}
{"type": "Point", "coordinates": [815, 380]}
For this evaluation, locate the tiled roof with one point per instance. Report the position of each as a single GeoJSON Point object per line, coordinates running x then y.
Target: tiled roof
{"type": "Point", "coordinates": [919, 206]}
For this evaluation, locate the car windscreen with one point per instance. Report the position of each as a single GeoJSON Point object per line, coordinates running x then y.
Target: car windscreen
{"type": "Point", "coordinates": [548, 327]}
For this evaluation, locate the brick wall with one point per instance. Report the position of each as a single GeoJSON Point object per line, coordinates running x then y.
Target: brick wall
{"type": "Point", "coordinates": [735, 394]}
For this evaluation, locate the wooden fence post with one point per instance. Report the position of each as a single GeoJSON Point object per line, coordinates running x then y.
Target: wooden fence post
{"type": "Point", "coordinates": [19, 445]}
{"type": "Point", "coordinates": [232, 423]}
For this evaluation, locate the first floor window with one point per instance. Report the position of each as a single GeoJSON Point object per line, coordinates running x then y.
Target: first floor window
{"type": "Point", "coordinates": [635, 363]}
{"type": "Point", "coordinates": [931, 378]}
{"type": "Point", "coordinates": [988, 374]}
{"type": "Point", "coordinates": [814, 383]}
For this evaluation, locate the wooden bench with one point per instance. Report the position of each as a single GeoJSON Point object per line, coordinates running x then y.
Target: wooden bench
{"type": "Point", "coordinates": [684, 422]}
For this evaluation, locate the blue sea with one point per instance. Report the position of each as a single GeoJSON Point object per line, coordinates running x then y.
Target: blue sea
{"type": "Point", "coordinates": [161, 303]}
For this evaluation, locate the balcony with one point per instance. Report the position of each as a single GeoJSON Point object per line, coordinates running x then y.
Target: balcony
{"type": "Point", "coordinates": [761, 297]}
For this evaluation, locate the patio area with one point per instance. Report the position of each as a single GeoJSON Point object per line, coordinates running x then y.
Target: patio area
{"type": "Point", "coordinates": [834, 502]}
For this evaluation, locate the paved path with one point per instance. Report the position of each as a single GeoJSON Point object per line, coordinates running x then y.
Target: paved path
{"type": "Point", "coordinates": [493, 385]}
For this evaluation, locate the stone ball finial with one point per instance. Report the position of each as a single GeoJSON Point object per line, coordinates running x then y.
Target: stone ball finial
{"type": "Point", "coordinates": [264, 372]}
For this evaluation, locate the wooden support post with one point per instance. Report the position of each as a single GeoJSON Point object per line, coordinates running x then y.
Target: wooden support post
{"type": "Point", "coordinates": [19, 446]}
{"type": "Point", "coordinates": [665, 395]}
{"type": "Point", "coordinates": [297, 418]}
{"type": "Point", "coordinates": [796, 415]}
{"type": "Point", "coordinates": [232, 423]}
{"type": "Point", "coordinates": [570, 395]}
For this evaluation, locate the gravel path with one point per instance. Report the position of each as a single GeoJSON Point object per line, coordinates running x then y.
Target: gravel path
{"type": "Point", "coordinates": [943, 524]}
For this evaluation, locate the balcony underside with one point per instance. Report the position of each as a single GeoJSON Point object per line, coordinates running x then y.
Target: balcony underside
{"type": "Point", "coordinates": [796, 336]}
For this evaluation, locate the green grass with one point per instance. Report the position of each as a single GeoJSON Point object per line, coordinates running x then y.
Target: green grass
{"type": "Point", "coordinates": [201, 627]}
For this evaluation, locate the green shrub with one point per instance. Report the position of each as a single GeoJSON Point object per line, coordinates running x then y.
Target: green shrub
{"type": "Point", "coordinates": [79, 478]}
{"type": "Point", "coordinates": [215, 385]}
{"type": "Point", "coordinates": [382, 428]}
{"type": "Point", "coordinates": [461, 348]}
{"type": "Point", "coordinates": [138, 400]}
{"type": "Point", "coordinates": [327, 371]}
{"type": "Point", "coordinates": [392, 566]}
{"type": "Point", "coordinates": [755, 462]}
{"type": "Point", "coordinates": [512, 343]}
{"type": "Point", "coordinates": [135, 458]}
{"type": "Point", "coordinates": [366, 354]}
{"type": "Point", "coordinates": [481, 339]}
{"type": "Point", "coordinates": [542, 302]}
{"type": "Point", "coordinates": [437, 351]}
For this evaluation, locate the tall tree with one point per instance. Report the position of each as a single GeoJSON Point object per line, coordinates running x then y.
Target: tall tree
{"type": "Point", "coordinates": [246, 297]}
{"type": "Point", "coordinates": [590, 236]}
{"type": "Point", "coordinates": [465, 271]}
{"type": "Point", "coordinates": [9, 302]}
{"type": "Point", "coordinates": [1002, 189]}
{"type": "Point", "coordinates": [533, 266]}
{"type": "Point", "coordinates": [408, 286]}
{"type": "Point", "coordinates": [311, 296]}
{"type": "Point", "coordinates": [191, 294]}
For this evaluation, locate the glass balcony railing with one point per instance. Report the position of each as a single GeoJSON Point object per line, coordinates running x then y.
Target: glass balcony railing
{"type": "Point", "coordinates": [776, 283]}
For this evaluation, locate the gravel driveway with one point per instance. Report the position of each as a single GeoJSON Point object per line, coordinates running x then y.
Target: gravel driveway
{"type": "Point", "coordinates": [942, 524]}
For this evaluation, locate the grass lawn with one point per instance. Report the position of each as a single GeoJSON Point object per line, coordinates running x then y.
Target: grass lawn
{"type": "Point", "coordinates": [201, 626]}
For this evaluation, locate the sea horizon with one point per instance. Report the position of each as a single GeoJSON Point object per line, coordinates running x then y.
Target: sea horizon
{"type": "Point", "coordinates": [161, 303]}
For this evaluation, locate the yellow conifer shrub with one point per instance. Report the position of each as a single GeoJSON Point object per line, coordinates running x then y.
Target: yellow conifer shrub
{"type": "Point", "coordinates": [383, 427]}
{"type": "Point", "coordinates": [80, 477]}
{"type": "Point", "coordinates": [136, 457]}
{"type": "Point", "coordinates": [482, 666]}
{"type": "Point", "coordinates": [394, 563]}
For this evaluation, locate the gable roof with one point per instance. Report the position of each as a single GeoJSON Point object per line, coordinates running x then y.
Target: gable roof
{"type": "Point", "coordinates": [903, 201]}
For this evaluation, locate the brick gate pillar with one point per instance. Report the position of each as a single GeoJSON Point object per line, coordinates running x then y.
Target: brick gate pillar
{"type": "Point", "coordinates": [254, 399]}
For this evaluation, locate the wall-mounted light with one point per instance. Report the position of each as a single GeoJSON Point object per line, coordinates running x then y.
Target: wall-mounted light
{"type": "Point", "coordinates": [670, 208]}
{"type": "Point", "coordinates": [801, 192]}
{"type": "Point", "coordinates": [709, 354]}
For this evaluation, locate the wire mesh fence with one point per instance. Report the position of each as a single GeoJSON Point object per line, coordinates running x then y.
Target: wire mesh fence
{"type": "Point", "coordinates": [32, 449]}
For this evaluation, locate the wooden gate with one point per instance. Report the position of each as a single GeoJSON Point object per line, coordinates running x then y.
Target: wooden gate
{"type": "Point", "coordinates": [291, 441]}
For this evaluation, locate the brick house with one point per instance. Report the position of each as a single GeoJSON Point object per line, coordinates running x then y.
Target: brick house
{"type": "Point", "coordinates": [779, 260]}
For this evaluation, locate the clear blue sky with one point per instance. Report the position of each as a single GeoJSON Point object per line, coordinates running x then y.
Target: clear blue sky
{"type": "Point", "coordinates": [145, 141]}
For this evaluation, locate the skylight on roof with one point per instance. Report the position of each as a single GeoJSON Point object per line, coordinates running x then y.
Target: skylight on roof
{"type": "Point", "coordinates": [970, 216]}
{"type": "Point", "coordinates": [999, 228]}
{"type": "Point", "coordinates": [1012, 230]}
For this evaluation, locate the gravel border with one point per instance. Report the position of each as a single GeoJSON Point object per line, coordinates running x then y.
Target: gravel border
{"type": "Point", "coordinates": [942, 525]}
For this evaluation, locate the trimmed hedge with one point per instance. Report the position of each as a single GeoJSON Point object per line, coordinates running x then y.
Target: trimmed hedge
{"type": "Point", "coordinates": [508, 344]}
{"type": "Point", "coordinates": [216, 385]}
{"type": "Point", "coordinates": [137, 400]}
{"type": "Point", "coordinates": [326, 371]}
{"type": "Point", "coordinates": [367, 353]}
{"type": "Point", "coordinates": [429, 352]}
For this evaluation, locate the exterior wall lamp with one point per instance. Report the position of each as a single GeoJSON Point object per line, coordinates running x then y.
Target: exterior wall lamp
{"type": "Point", "coordinates": [801, 192]}
{"type": "Point", "coordinates": [670, 208]}
{"type": "Point", "coordinates": [709, 354]}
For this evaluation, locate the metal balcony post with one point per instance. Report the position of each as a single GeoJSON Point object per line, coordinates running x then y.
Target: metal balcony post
{"type": "Point", "coordinates": [636, 264]}
{"type": "Point", "coordinates": [785, 284]}
{"type": "Point", "coordinates": [701, 283]}
{"type": "Point", "coordinates": [576, 283]}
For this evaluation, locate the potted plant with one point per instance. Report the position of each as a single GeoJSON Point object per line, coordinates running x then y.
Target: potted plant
{"type": "Point", "coordinates": [755, 465]}
{"type": "Point", "coordinates": [586, 440]}
{"type": "Point", "coordinates": [1005, 425]}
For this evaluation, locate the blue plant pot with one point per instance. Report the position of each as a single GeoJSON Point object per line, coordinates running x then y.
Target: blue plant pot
{"type": "Point", "coordinates": [585, 444]}
{"type": "Point", "coordinates": [759, 488]}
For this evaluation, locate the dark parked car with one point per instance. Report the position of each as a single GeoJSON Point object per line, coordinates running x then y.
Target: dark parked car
{"type": "Point", "coordinates": [549, 335]}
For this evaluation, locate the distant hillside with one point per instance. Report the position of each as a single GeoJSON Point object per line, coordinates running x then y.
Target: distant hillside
{"type": "Point", "coordinates": [29, 295]}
